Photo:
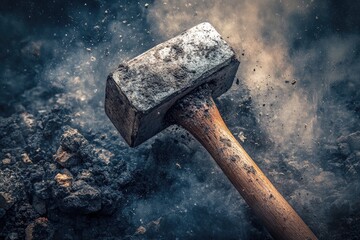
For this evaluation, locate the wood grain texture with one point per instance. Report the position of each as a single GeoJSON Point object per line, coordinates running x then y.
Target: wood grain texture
{"type": "Point", "coordinates": [198, 114]}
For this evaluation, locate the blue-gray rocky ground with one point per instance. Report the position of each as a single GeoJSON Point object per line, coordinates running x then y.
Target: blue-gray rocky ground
{"type": "Point", "coordinates": [65, 172]}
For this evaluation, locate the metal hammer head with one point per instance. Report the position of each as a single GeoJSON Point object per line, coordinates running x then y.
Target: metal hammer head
{"type": "Point", "coordinates": [140, 91]}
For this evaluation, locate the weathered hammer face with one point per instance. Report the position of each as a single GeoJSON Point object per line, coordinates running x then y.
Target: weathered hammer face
{"type": "Point", "coordinates": [140, 92]}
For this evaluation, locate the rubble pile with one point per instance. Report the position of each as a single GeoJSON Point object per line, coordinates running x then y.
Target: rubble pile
{"type": "Point", "coordinates": [46, 176]}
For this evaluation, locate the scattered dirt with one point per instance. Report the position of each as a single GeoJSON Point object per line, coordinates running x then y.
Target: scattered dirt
{"type": "Point", "coordinates": [225, 141]}
{"type": "Point", "coordinates": [249, 169]}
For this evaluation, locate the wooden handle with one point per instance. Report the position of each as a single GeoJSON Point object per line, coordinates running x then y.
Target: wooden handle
{"type": "Point", "coordinates": [198, 114]}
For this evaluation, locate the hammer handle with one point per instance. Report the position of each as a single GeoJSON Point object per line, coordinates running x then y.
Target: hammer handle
{"type": "Point", "coordinates": [198, 114]}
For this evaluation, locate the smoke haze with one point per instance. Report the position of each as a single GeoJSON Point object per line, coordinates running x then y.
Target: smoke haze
{"type": "Point", "coordinates": [295, 107]}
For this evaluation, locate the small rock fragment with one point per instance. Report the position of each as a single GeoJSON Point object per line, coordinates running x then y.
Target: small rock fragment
{"type": "Point", "coordinates": [6, 200]}
{"type": "Point", "coordinates": [140, 230]}
{"type": "Point", "coordinates": [25, 158]}
{"type": "Point", "coordinates": [28, 120]}
{"type": "Point", "coordinates": [69, 152]}
{"type": "Point", "coordinates": [104, 155]}
{"type": "Point", "coordinates": [65, 159]}
{"type": "Point", "coordinates": [72, 140]}
{"type": "Point", "coordinates": [6, 161]}
{"type": "Point", "coordinates": [64, 179]}
{"type": "Point", "coordinates": [41, 228]}
{"type": "Point", "coordinates": [241, 137]}
{"type": "Point", "coordinates": [86, 199]}
{"type": "Point", "coordinates": [150, 227]}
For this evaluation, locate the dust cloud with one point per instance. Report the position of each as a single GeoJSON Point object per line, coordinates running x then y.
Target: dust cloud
{"type": "Point", "coordinates": [295, 109]}
{"type": "Point", "coordinates": [298, 67]}
{"type": "Point", "coordinates": [258, 32]}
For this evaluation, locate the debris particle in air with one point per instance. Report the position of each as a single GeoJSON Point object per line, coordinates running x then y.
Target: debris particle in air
{"type": "Point", "coordinates": [242, 137]}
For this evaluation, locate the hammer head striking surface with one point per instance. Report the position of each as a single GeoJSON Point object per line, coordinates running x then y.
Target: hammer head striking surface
{"type": "Point", "coordinates": [141, 91]}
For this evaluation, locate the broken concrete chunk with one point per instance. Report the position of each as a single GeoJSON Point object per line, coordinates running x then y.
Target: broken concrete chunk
{"type": "Point", "coordinates": [70, 151]}
{"type": "Point", "coordinates": [6, 161]}
{"type": "Point", "coordinates": [72, 140]}
{"type": "Point", "coordinates": [64, 179]}
{"type": "Point", "coordinates": [25, 158]}
{"type": "Point", "coordinates": [85, 199]}
{"type": "Point", "coordinates": [65, 159]}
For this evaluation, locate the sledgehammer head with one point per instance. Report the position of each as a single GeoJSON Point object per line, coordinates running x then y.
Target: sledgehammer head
{"type": "Point", "coordinates": [141, 91]}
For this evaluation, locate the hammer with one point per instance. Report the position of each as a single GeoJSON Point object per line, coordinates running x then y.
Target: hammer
{"type": "Point", "coordinates": [174, 83]}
